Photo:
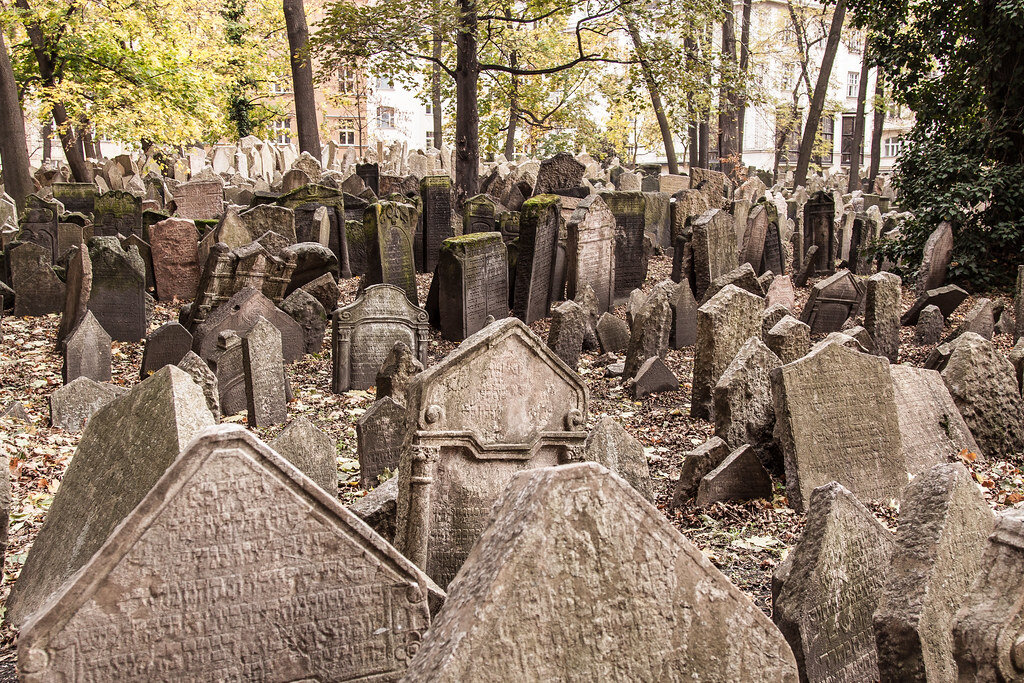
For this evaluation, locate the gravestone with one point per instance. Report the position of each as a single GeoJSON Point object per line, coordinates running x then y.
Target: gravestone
{"type": "Point", "coordinates": [652, 377]}
{"type": "Point", "coordinates": [711, 184]}
{"type": "Point", "coordinates": [825, 592]}
{"type": "Point", "coordinates": [87, 352]}
{"type": "Point", "coordinates": [311, 317]}
{"type": "Point", "coordinates": [612, 333]}
{"type": "Point", "coordinates": [931, 428]}
{"type": "Point", "coordinates": [313, 204]}
{"type": "Point", "coordinates": [762, 244]}
{"type": "Point", "coordinates": [565, 336]}
{"type": "Point", "coordinates": [226, 365]}
{"type": "Point", "coordinates": [832, 302]}
{"type": "Point", "coordinates": [240, 313]}
{"type": "Point", "coordinates": [325, 290]}
{"type": "Point", "coordinates": [396, 371]}
{"type": "Point", "coordinates": [835, 416]}
{"type": "Point", "coordinates": [696, 464]}
{"type": "Point", "coordinates": [369, 173]}
{"type": "Point", "coordinates": [117, 296]}
{"type": "Point", "coordinates": [389, 255]}
{"type": "Point", "coordinates": [381, 434]}
{"type": "Point", "coordinates": [480, 214]}
{"type": "Point", "coordinates": [202, 375]}
{"type": "Point", "coordinates": [684, 317]}
{"type": "Point", "coordinates": [175, 259]}
{"type": "Point", "coordinates": [313, 453]}
{"type": "Point", "coordinates": [471, 435]}
{"type": "Point", "coordinates": [559, 172]}
{"type": "Point", "coordinates": [741, 476]}
{"type": "Point", "coordinates": [117, 213]}
{"type": "Point", "coordinates": [539, 224]}
{"type": "Point", "coordinates": [743, 400]}
{"type": "Point", "coordinates": [979, 320]}
{"type": "Point", "coordinates": [271, 218]}
{"type": "Point", "coordinates": [806, 268]}
{"type": "Point", "coordinates": [883, 303]}
{"type": "Point", "coordinates": [73, 404]}
{"type": "Point", "coordinates": [39, 224]}
{"type": "Point", "coordinates": [943, 525]}
{"type": "Point", "coordinates": [724, 324]}
{"type": "Point", "coordinates": [652, 326]}
{"type": "Point", "coordinates": [76, 197]}
{"type": "Point", "coordinates": [126, 445]}
{"type": "Point", "coordinates": [37, 289]}
{"type": "Point", "coordinates": [819, 231]}
{"type": "Point", "coordinates": [365, 331]}
{"type": "Point", "coordinates": [789, 339]}
{"type": "Point", "coordinates": [472, 283]}
{"type": "Point", "coordinates": [743, 277]}
{"type": "Point", "coordinates": [1018, 305]}
{"type": "Point", "coordinates": [200, 200]}
{"type": "Point", "coordinates": [263, 366]}
{"type": "Point", "coordinates": [938, 253]}
{"type": "Point", "coordinates": [591, 251]}
{"type": "Point", "coordinates": [714, 248]}
{"type": "Point", "coordinates": [947, 299]}
{"type": "Point", "coordinates": [930, 323]}
{"type": "Point", "coordinates": [658, 218]}
{"type": "Point", "coordinates": [554, 584]}
{"type": "Point", "coordinates": [166, 345]}
{"type": "Point", "coordinates": [436, 193]}
{"type": "Point", "coordinates": [610, 445]}
{"type": "Point", "coordinates": [214, 563]}
{"type": "Point", "coordinates": [629, 209]}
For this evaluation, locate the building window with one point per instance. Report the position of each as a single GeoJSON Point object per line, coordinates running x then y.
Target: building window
{"type": "Point", "coordinates": [852, 83]}
{"type": "Point", "coordinates": [386, 117]}
{"type": "Point", "coordinates": [283, 131]}
{"type": "Point", "coordinates": [828, 134]}
{"type": "Point", "coordinates": [279, 88]}
{"type": "Point", "coordinates": [429, 109]}
{"type": "Point", "coordinates": [893, 146]}
{"type": "Point", "coordinates": [847, 145]}
{"type": "Point", "coordinates": [385, 84]}
{"type": "Point", "coordinates": [347, 80]}
{"type": "Point", "coordinates": [347, 133]}
{"type": "Point", "coordinates": [430, 139]}
{"type": "Point", "coordinates": [787, 132]}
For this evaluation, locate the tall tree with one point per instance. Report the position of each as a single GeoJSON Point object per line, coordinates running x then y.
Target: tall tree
{"type": "Point", "coordinates": [877, 128]}
{"type": "Point", "coordinates": [302, 77]}
{"type": "Point", "coordinates": [857, 148]}
{"type": "Point", "coordinates": [728, 125]}
{"type": "Point", "coordinates": [820, 91]}
{"type": "Point", "coordinates": [744, 66]}
{"type": "Point", "coordinates": [655, 92]}
{"type": "Point", "coordinates": [13, 143]}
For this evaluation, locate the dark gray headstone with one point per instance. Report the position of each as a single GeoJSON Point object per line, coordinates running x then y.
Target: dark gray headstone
{"type": "Point", "coordinates": [436, 191]}
{"type": "Point", "coordinates": [264, 375]}
{"type": "Point", "coordinates": [629, 209]}
{"type": "Point", "coordinates": [117, 297]}
{"type": "Point", "coordinates": [472, 283]}
{"type": "Point", "coordinates": [87, 352]}
{"type": "Point", "coordinates": [381, 434]}
{"type": "Point", "coordinates": [166, 345]}
{"type": "Point", "coordinates": [37, 289]}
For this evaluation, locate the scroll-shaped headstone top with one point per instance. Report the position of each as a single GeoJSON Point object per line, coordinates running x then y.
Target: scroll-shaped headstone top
{"type": "Point", "coordinates": [225, 542]}
{"type": "Point", "coordinates": [381, 301]}
{"type": "Point", "coordinates": [470, 392]}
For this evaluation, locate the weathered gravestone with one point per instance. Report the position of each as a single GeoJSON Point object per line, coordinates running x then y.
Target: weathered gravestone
{"type": "Point", "coordinates": [819, 231]}
{"type": "Point", "coordinates": [436, 192]}
{"type": "Point", "coordinates": [472, 283]}
{"type": "Point", "coordinates": [117, 213]}
{"type": "Point", "coordinates": [76, 197]}
{"type": "Point", "coordinates": [832, 301]}
{"type": "Point", "coordinates": [1018, 305]}
{"type": "Point", "coordinates": [883, 303]}
{"type": "Point", "coordinates": [369, 173]}
{"type": "Point", "coordinates": [825, 592]}
{"type": "Point", "coordinates": [199, 200]}
{"type": "Point", "coordinates": [87, 352]}
{"type": "Point", "coordinates": [652, 377]}
{"type": "Point", "coordinates": [565, 336]}
{"type": "Point", "coordinates": [310, 204]}
{"type": "Point", "coordinates": [566, 584]}
{"type": "Point", "coordinates": [741, 476]}
{"type": "Point", "coordinates": [612, 333]}
{"type": "Point", "coordinates": [789, 339]}
{"type": "Point", "coordinates": [835, 417]}
{"type": "Point", "coordinates": [37, 289]}
{"type": "Point", "coordinates": [364, 331]}
{"type": "Point", "coordinates": [118, 297]}
{"type": "Point", "coordinates": [381, 434]}
{"type": "Point", "coordinates": [591, 251]}
{"type": "Point", "coordinates": [226, 365]}
{"type": "Point", "coordinates": [943, 525]}
{"type": "Point", "coordinates": [310, 315]}
{"type": "Point", "coordinates": [271, 218]}
{"type": "Point", "coordinates": [652, 327]}
{"type": "Point", "coordinates": [306, 446]}
{"type": "Point", "coordinates": [629, 209]}
{"type": "Point", "coordinates": [175, 259]}
{"type": "Point", "coordinates": [714, 248]}
{"type": "Point", "coordinates": [539, 225]}
{"type": "Point", "coordinates": [684, 317]}
{"type": "Point", "coordinates": [930, 323]}
{"type": "Point", "coordinates": [762, 244]}
{"type": "Point", "coordinates": [389, 255]}
{"type": "Point", "coordinates": [743, 277]}
{"type": "Point", "coordinates": [696, 464]}
{"type": "Point", "coordinates": [471, 435]}
{"type": "Point", "coordinates": [214, 567]}
{"type": "Point", "coordinates": [938, 253]}
{"type": "Point", "coordinates": [240, 313]}
{"type": "Point", "coordinates": [263, 365]}
{"type": "Point", "coordinates": [947, 299]}
{"type": "Point", "coordinates": [979, 320]}
{"type": "Point", "coordinates": [559, 172]}
{"type": "Point", "coordinates": [743, 400]}
{"type": "Point", "coordinates": [610, 445]}
{"type": "Point", "coordinates": [724, 324]}
{"type": "Point", "coordinates": [396, 371]}
{"type": "Point", "coordinates": [202, 375]}
{"type": "Point", "coordinates": [480, 214]}
{"type": "Point", "coordinates": [73, 404]}
{"type": "Point", "coordinates": [127, 445]}
{"type": "Point", "coordinates": [166, 345]}
{"type": "Point", "coordinates": [39, 224]}
{"type": "Point", "coordinates": [658, 218]}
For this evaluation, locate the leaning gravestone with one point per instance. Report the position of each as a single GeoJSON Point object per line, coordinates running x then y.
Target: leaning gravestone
{"type": "Point", "coordinates": [226, 365]}
{"type": "Point", "coordinates": [118, 296]}
{"type": "Point", "coordinates": [741, 476]}
{"type": "Point", "coordinates": [539, 224]}
{"type": "Point", "coordinates": [591, 251]}
{"type": "Point", "coordinates": [554, 584]}
{"type": "Point", "coordinates": [381, 434]}
{"type": "Point", "coordinates": [310, 315]}
{"type": "Point", "coordinates": [836, 421]}
{"type": "Point", "coordinates": [87, 352]}
{"type": "Point", "coordinates": [629, 209]}
{"type": "Point", "coordinates": [714, 248]}
{"type": "Point", "coordinates": [832, 302]}
{"type": "Point", "coordinates": [611, 446]}
{"type": "Point", "coordinates": [762, 245]}
{"type": "Point", "coordinates": [789, 339]}
{"type": "Point", "coordinates": [947, 299]}
{"type": "Point", "coordinates": [472, 283]}
{"type": "Point", "coordinates": [684, 317]}
{"type": "Point", "coordinates": [240, 313]}
{"type": "Point", "coordinates": [202, 375]}
{"type": "Point", "coordinates": [37, 289]}
{"type": "Point", "coordinates": [76, 197]}
{"type": "Point", "coordinates": [223, 545]}
{"type": "Point", "coordinates": [175, 259]}
{"type": "Point", "coordinates": [395, 372]}
{"type": "Point", "coordinates": [263, 365]}
{"type": "Point", "coordinates": [943, 525]}
{"type": "Point", "coordinates": [389, 230]}
{"type": "Point", "coordinates": [825, 591]}
{"type": "Point", "coordinates": [696, 464]}
{"type": "Point", "coordinates": [73, 404]}
{"type": "Point", "coordinates": [883, 303]}
{"type": "Point", "coordinates": [270, 218]}
{"type": "Point", "coordinates": [436, 192]}
{"type": "Point", "coordinates": [364, 331]}
{"type": "Point", "coordinates": [77, 291]}
{"type": "Point", "coordinates": [40, 224]}
{"type": "Point", "coordinates": [652, 327]}
{"type": "Point", "coordinates": [938, 253]}
{"type": "Point", "coordinates": [471, 435]}
{"type": "Point", "coordinates": [724, 324]}
{"type": "Point", "coordinates": [311, 205]}
{"type": "Point", "coordinates": [166, 345]}
{"type": "Point", "coordinates": [127, 445]}
{"type": "Point", "coordinates": [565, 336]}
{"type": "Point", "coordinates": [743, 400]}
{"type": "Point", "coordinates": [306, 446]}
{"type": "Point", "coordinates": [117, 213]}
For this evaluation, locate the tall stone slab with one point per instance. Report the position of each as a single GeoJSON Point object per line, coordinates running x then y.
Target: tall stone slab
{"type": "Point", "coordinates": [820, 231]}
{"type": "Point", "coordinates": [832, 301]}
{"type": "Point", "coordinates": [310, 204]}
{"type": "Point", "coordinates": [199, 199]}
{"type": "Point", "coordinates": [471, 435]}
{"type": "Point", "coordinates": [265, 218]}
{"type": "Point", "coordinates": [935, 260]}
{"type": "Point", "coordinates": [37, 289]}
{"type": "Point", "coordinates": [883, 305]}
{"type": "Point", "coordinates": [472, 275]}
{"type": "Point", "coordinates": [175, 249]}
{"type": "Point", "coordinates": [629, 209]}
{"type": "Point", "coordinates": [365, 331]}
{"type": "Point", "coordinates": [117, 297]}
{"type": "Point", "coordinates": [389, 230]}
{"type": "Point", "coordinates": [724, 324]}
{"type": "Point", "coordinates": [39, 224]}
{"type": "Point", "coordinates": [825, 592]}
{"type": "Point", "coordinates": [565, 582]}
{"type": "Point", "coordinates": [382, 432]}
{"type": "Point", "coordinates": [87, 352]}
{"type": "Point", "coordinates": [263, 365]}
{"type": "Point", "coordinates": [652, 327]}
{"type": "Point", "coordinates": [370, 175]}
{"type": "Point", "coordinates": [117, 213]}
{"type": "Point", "coordinates": [214, 567]}
{"type": "Point", "coordinates": [539, 225]}
{"type": "Point", "coordinates": [762, 245]}
{"type": "Point", "coordinates": [78, 288]}
{"type": "Point", "coordinates": [436, 194]}
{"type": "Point", "coordinates": [238, 314]}
{"type": "Point", "coordinates": [743, 400]}
{"type": "Point", "coordinates": [714, 248]}
{"type": "Point", "coordinates": [591, 251]}
{"type": "Point", "coordinates": [127, 446]}
{"type": "Point", "coordinates": [943, 526]}
{"type": "Point", "coordinates": [835, 416]}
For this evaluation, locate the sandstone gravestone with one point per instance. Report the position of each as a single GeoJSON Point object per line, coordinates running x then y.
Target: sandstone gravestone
{"type": "Point", "coordinates": [539, 224]}
{"type": "Point", "coordinates": [938, 253]}
{"type": "Point", "coordinates": [835, 416]}
{"type": "Point", "coordinates": [127, 445]}
{"type": "Point", "coordinates": [559, 172]}
{"type": "Point", "coordinates": [215, 565]}
{"type": "Point", "coordinates": [262, 362]}
{"type": "Point", "coordinates": [591, 251]}
{"type": "Point", "coordinates": [565, 584]}
{"type": "Point", "coordinates": [76, 197]}
{"type": "Point", "coordinates": [714, 248]}
{"type": "Point", "coordinates": [883, 303]}
{"type": "Point", "coordinates": [789, 339]}
{"type": "Point", "coordinates": [743, 400]}
{"type": "Point", "coordinates": [832, 301]}
{"type": "Point", "coordinates": [568, 327]}
{"type": "Point", "coordinates": [684, 317]}
{"type": "Point", "coordinates": [629, 209]}
{"type": "Point", "coordinates": [943, 525]}
{"type": "Point", "coordinates": [471, 435]}
{"type": "Point", "coordinates": [87, 352]}
{"type": "Point", "coordinates": [175, 259]}
{"type": "Point", "coordinates": [696, 464]}
{"type": "Point", "coordinates": [947, 298]}
{"type": "Point", "coordinates": [652, 377]}
{"type": "Point", "coordinates": [979, 319]}
{"type": "Point", "coordinates": [39, 224]}
{"type": "Point", "coordinates": [226, 365]}
{"type": "Point", "coordinates": [652, 327]}
{"type": "Point", "coordinates": [306, 446]}
{"type": "Point", "coordinates": [365, 331]}
{"type": "Point", "coordinates": [611, 446]}
{"type": "Point", "coordinates": [472, 283]}
{"type": "Point", "coordinates": [270, 218]}
{"type": "Point", "coordinates": [38, 290]}
{"type": "Point", "coordinates": [202, 375]}
{"type": "Point", "coordinates": [199, 199]}
{"type": "Point", "coordinates": [381, 434]}
{"type": "Point", "coordinates": [436, 192]}
{"type": "Point", "coordinates": [724, 324]}
{"type": "Point", "coordinates": [311, 317]}
{"type": "Point", "coordinates": [240, 313]}
{"type": "Point", "coordinates": [395, 372]}
{"type": "Point", "coordinates": [389, 256]}
{"type": "Point", "coordinates": [117, 297]}
{"type": "Point", "coordinates": [73, 404]}
{"type": "Point", "coordinates": [741, 476]}
{"type": "Point", "coordinates": [77, 292]}
{"type": "Point", "coordinates": [824, 593]}
{"type": "Point", "coordinates": [313, 204]}
{"type": "Point", "coordinates": [930, 323]}
{"type": "Point", "coordinates": [480, 214]}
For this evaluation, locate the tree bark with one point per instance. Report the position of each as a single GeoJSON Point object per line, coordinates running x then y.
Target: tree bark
{"type": "Point", "coordinates": [820, 91]}
{"type": "Point", "coordinates": [302, 78]}
{"type": "Point", "coordinates": [728, 125]}
{"type": "Point", "coordinates": [13, 142]}
{"type": "Point", "coordinates": [655, 92]}
{"type": "Point", "coordinates": [744, 67]}
{"type": "Point", "coordinates": [703, 135]}
{"type": "Point", "coordinates": [513, 110]}
{"type": "Point", "coordinates": [467, 117]}
{"type": "Point", "coordinates": [876, 132]}
{"type": "Point", "coordinates": [858, 121]}
{"type": "Point", "coordinates": [435, 89]}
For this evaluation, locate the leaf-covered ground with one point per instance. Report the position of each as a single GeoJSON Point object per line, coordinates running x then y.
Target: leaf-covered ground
{"type": "Point", "coordinates": [746, 540]}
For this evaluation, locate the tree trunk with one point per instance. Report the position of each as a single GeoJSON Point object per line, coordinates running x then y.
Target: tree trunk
{"type": "Point", "coordinates": [876, 132]}
{"type": "Point", "coordinates": [76, 160]}
{"type": "Point", "coordinates": [513, 110]}
{"type": "Point", "coordinates": [691, 47]}
{"type": "Point", "coordinates": [744, 66]}
{"type": "Point", "coordinates": [728, 126]}
{"type": "Point", "coordinates": [13, 142]}
{"type": "Point", "coordinates": [302, 78]}
{"type": "Point", "coordinates": [703, 133]}
{"type": "Point", "coordinates": [92, 147]}
{"type": "Point", "coordinates": [820, 91]}
{"type": "Point", "coordinates": [655, 92]}
{"type": "Point", "coordinates": [435, 89]}
{"type": "Point", "coordinates": [47, 134]}
{"type": "Point", "coordinates": [858, 121]}
{"type": "Point", "coordinates": [467, 117]}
